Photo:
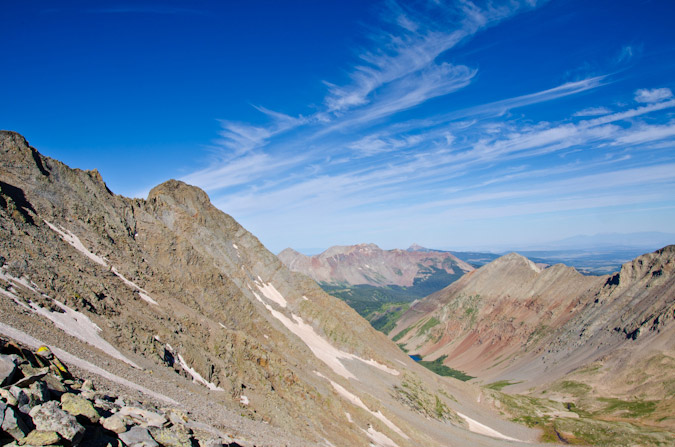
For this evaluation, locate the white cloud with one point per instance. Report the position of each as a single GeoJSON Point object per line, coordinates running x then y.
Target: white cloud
{"type": "Point", "coordinates": [593, 111]}
{"type": "Point", "coordinates": [653, 95]}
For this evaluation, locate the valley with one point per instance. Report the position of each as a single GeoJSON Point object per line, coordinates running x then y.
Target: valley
{"type": "Point", "coordinates": [169, 301]}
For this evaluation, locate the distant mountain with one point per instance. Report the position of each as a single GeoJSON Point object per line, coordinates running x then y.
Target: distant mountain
{"type": "Point", "coordinates": [378, 284]}
{"type": "Point", "coordinates": [370, 265]}
{"type": "Point", "coordinates": [554, 332]}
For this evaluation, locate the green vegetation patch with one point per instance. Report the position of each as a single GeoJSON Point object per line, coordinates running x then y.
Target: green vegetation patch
{"type": "Point", "coordinates": [499, 385]}
{"type": "Point", "coordinates": [439, 368]}
{"type": "Point", "coordinates": [384, 319]}
{"type": "Point", "coordinates": [573, 388]}
{"type": "Point", "coordinates": [629, 409]}
{"type": "Point", "coordinates": [586, 429]}
{"type": "Point", "coordinates": [431, 322]}
{"type": "Point", "coordinates": [415, 395]}
{"type": "Point", "coordinates": [466, 308]}
{"type": "Point", "coordinates": [402, 334]}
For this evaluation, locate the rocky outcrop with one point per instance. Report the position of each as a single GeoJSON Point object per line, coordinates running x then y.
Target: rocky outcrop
{"type": "Point", "coordinates": [44, 405]}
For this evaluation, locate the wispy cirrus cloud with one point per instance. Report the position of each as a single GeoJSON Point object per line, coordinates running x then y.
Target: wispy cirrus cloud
{"type": "Point", "coordinates": [354, 162]}
{"type": "Point", "coordinates": [593, 111]}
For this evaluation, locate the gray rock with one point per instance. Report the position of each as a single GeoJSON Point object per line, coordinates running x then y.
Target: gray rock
{"type": "Point", "coordinates": [50, 417]}
{"type": "Point", "coordinates": [114, 423]}
{"type": "Point", "coordinates": [13, 424]}
{"type": "Point", "coordinates": [38, 393]}
{"type": "Point", "coordinates": [138, 437]}
{"type": "Point", "coordinates": [54, 384]}
{"type": "Point", "coordinates": [20, 395]}
{"type": "Point", "coordinates": [142, 417]}
{"type": "Point", "coordinates": [7, 369]}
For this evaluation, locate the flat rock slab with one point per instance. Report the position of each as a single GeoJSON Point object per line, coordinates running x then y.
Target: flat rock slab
{"type": "Point", "coordinates": [138, 437]}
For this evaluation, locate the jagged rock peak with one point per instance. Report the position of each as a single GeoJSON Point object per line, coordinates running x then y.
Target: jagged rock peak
{"type": "Point", "coordinates": [18, 154]}
{"type": "Point", "coordinates": [15, 137]}
{"type": "Point", "coordinates": [175, 192]}
{"type": "Point", "coordinates": [648, 266]}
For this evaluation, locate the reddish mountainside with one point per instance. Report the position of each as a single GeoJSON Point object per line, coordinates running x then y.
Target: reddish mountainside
{"type": "Point", "coordinates": [369, 264]}
{"type": "Point", "coordinates": [510, 320]}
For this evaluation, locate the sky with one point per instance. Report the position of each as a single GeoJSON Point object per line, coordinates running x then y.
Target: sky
{"type": "Point", "coordinates": [454, 125]}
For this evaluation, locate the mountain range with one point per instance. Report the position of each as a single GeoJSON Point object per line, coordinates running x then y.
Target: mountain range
{"type": "Point", "coordinates": [169, 300]}
{"type": "Point", "coordinates": [170, 303]}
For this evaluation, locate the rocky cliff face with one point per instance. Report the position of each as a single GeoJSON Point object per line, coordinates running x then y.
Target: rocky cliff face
{"type": "Point", "coordinates": [369, 264]}
{"type": "Point", "coordinates": [171, 300]}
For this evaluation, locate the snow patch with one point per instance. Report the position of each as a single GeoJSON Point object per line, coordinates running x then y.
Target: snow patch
{"type": "Point", "coordinates": [15, 298]}
{"type": "Point", "coordinates": [321, 348]}
{"type": "Point", "coordinates": [70, 321]}
{"type": "Point", "coordinates": [349, 417]}
{"type": "Point", "coordinates": [23, 281]}
{"type": "Point", "coordinates": [271, 293]}
{"type": "Point", "coordinates": [76, 243]}
{"type": "Point", "coordinates": [196, 377]}
{"type": "Point", "coordinates": [482, 429]}
{"type": "Point", "coordinates": [235, 246]}
{"type": "Point", "coordinates": [243, 400]}
{"type": "Point", "coordinates": [379, 439]}
{"type": "Point", "coordinates": [81, 327]}
{"type": "Point", "coordinates": [141, 292]}
{"type": "Point", "coordinates": [147, 298]}
{"type": "Point", "coordinates": [354, 399]}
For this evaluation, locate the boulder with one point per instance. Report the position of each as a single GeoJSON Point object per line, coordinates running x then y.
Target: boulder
{"type": "Point", "coordinates": [79, 406]}
{"type": "Point", "coordinates": [143, 417]}
{"type": "Point", "coordinates": [8, 369]}
{"type": "Point", "coordinates": [41, 438]}
{"type": "Point", "coordinates": [171, 438]}
{"type": "Point", "coordinates": [13, 424]}
{"type": "Point", "coordinates": [138, 437]}
{"type": "Point", "coordinates": [49, 417]}
{"type": "Point", "coordinates": [114, 423]}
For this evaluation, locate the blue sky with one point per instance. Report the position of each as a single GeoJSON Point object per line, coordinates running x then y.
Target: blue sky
{"type": "Point", "coordinates": [450, 124]}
